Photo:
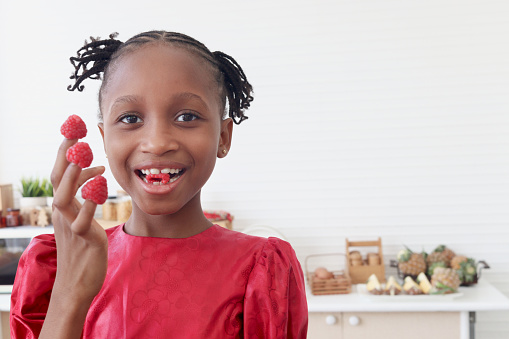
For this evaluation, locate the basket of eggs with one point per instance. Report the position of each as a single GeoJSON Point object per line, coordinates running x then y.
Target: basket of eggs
{"type": "Point", "coordinates": [323, 281]}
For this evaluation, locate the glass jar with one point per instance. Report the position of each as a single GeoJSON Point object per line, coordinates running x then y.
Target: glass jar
{"type": "Point", "coordinates": [124, 208]}
{"type": "Point", "coordinates": [13, 218]}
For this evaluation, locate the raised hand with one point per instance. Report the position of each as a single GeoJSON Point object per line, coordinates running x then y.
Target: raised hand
{"type": "Point", "coordinates": [82, 249]}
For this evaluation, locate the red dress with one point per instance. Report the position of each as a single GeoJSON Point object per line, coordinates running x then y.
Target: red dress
{"type": "Point", "coordinates": [216, 284]}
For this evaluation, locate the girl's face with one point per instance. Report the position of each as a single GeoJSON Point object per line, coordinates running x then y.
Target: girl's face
{"type": "Point", "coordinates": [162, 126]}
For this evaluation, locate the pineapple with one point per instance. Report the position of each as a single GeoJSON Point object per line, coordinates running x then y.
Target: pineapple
{"type": "Point", "coordinates": [445, 280]}
{"type": "Point", "coordinates": [441, 253]}
{"type": "Point", "coordinates": [411, 287]}
{"type": "Point", "coordinates": [434, 265]}
{"type": "Point", "coordinates": [410, 263]}
{"type": "Point", "coordinates": [392, 287]}
{"type": "Point", "coordinates": [467, 271]}
{"type": "Point", "coordinates": [424, 283]}
{"type": "Point", "coordinates": [457, 260]}
{"type": "Point", "coordinates": [373, 285]}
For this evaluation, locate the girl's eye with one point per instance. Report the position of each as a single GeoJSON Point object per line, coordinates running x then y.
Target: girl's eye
{"type": "Point", "coordinates": [130, 119]}
{"type": "Point", "coordinates": [186, 117]}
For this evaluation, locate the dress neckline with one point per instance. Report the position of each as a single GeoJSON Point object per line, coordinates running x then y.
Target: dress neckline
{"type": "Point", "coordinates": [123, 233]}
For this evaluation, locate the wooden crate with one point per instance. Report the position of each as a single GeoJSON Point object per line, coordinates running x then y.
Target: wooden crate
{"type": "Point", "coordinates": [360, 274]}
{"type": "Point", "coordinates": [340, 283]}
{"type": "Point", "coordinates": [6, 198]}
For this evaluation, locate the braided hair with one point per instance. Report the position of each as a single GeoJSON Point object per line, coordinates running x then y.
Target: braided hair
{"type": "Point", "coordinates": [102, 54]}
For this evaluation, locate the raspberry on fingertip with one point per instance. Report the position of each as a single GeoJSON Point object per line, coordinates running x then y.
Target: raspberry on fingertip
{"type": "Point", "coordinates": [74, 128]}
{"type": "Point", "coordinates": [80, 154]}
{"type": "Point", "coordinates": [96, 190]}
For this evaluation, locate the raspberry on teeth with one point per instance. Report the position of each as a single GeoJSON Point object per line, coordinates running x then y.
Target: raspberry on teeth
{"type": "Point", "coordinates": [156, 176]}
{"type": "Point", "coordinates": [164, 178]}
{"type": "Point", "coordinates": [74, 128]}
{"type": "Point", "coordinates": [80, 154]}
{"type": "Point", "coordinates": [96, 190]}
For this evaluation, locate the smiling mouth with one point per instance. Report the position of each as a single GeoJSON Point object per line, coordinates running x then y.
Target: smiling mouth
{"type": "Point", "coordinates": [157, 176]}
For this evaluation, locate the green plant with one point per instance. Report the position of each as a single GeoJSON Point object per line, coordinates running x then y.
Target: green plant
{"type": "Point", "coordinates": [33, 187]}
{"type": "Point", "coordinates": [47, 186]}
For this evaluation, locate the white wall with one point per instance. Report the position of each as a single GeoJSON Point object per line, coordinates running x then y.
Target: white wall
{"type": "Point", "coordinates": [371, 118]}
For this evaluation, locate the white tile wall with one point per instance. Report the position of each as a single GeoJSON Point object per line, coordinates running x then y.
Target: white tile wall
{"type": "Point", "coordinates": [371, 118]}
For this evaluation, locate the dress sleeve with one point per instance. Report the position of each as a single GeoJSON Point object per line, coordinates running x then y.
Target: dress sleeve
{"type": "Point", "coordinates": [275, 303]}
{"type": "Point", "coordinates": [32, 287]}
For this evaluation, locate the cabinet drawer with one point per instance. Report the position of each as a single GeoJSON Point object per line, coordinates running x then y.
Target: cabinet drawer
{"type": "Point", "coordinates": [415, 325]}
{"type": "Point", "coordinates": [324, 325]}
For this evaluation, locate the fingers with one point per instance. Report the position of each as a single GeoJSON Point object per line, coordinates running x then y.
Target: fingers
{"type": "Point", "coordinates": [89, 173]}
{"type": "Point", "coordinates": [61, 162]}
{"type": "Point", "coordinates": [61, 165]}
{"type": "Point", "coordinates": [64, 196]}
{"type": "Point", "coordinates": [83, 221]}
{"type": "Point", "coordinates": [72, 178]}
{"type": "Point", "coordinates": [66, 207]}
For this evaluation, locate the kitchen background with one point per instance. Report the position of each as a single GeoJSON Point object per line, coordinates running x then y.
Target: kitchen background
{"type": "Point", "coordinates": [371, 118]}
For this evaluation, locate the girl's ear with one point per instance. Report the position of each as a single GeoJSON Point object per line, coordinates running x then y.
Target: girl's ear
{"type": "Point", "coordinates": [225, 138]}
{"type": "Point", "coordinates": [101, 129]}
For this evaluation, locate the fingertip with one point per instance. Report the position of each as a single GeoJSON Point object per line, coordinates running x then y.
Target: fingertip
{"type": "Point", "coordinates": [71, 140]}
{"type": "Point", "coordinates": [74, 167]}
{"type": "Point", "coordinates": [89, 205]}
{"type": "Point", "coordinates": [66, 143]}
{"type": "Point", "coordinates": [97, 170]}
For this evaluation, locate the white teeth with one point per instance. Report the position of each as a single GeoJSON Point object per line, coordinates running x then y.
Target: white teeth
{"type": "Point", "coordinates": [158, 171]}
{"type": "Point", "coordinates": [147, 171]}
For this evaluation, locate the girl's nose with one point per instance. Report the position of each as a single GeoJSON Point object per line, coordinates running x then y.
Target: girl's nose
{"type": "Point", "coordinates": [159, 139]}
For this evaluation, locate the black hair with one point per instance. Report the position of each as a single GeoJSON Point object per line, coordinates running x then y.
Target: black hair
{"type": "Point", "coordinates": [102, 55]}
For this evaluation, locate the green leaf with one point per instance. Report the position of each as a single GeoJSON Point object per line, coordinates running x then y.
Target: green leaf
{"type": "Point", "coordinates": [47, 188]}
{"type": "Point", "coordinates": [443, 289]}
{"type": "Point", "coordinates": [31, 187]}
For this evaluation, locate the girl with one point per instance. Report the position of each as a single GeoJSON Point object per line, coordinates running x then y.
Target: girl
{"type": "Point", "coordinates": [167, 272]}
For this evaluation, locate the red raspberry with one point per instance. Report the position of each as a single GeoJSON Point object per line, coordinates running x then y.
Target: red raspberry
{"type": "Point", "coordinates": [80, 154]}
{"type": "Point", "coordinates": [164, 178]}
{"type": "Point", "coordinates": [74, 128]}
{"type": "Point", "coordinates": [96, 190]}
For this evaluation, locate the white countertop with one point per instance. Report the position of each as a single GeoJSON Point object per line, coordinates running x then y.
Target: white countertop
{"type": "Point", "coordinates": [24, 231]}
{"type": "Point", "coordinates": [480, 297]}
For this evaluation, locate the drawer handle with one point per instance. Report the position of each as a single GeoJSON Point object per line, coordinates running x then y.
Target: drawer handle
{"type": "Point", "coordinates": [331, 320]}
{"type": "Point", "coordinates": [354, 320]}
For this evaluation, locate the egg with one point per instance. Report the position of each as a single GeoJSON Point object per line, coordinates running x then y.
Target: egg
{"type": "Point", "coordinates": [323, 273]}
{"type": "Point", "coordinates": [355, 255]}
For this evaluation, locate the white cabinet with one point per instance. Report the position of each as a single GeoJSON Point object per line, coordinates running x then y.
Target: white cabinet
{"type": "Point", "coordinates": [361, 325]}
{"type": "Point", "coordinates": [415, 325]}
{"type": "Point", "coordinates": [361, 316]}
{"type": "Point", "coordinates": [325, 325]}
{"type": "Point", "coordinates": [5, 332]}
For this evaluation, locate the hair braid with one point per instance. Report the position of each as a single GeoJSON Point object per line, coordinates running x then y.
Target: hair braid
{"type": "Point", "coordinates": [97, 51]}
{"type": "Point", "coordinates": [233, 84]}
{"type": "Point", "coordinates": [238, 89]}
